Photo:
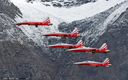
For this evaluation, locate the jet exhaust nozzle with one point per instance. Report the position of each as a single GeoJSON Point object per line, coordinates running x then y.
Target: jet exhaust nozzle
{"type": "Point", "coordinates": [107, 51]}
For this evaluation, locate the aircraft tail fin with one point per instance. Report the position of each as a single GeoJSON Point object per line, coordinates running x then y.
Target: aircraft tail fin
{"type": "Point", "coordinates": [104, 46]}
{"type": "Point", "coordinates": [80, 43]}
{"type": "Point", "coordinates": [75, 31]}
{"type": "Point", "coordinates": [106, 61]}
{"type": "Point", "coordinates": [47, 20]}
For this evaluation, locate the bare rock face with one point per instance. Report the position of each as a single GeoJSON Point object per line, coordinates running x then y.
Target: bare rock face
{"type": "Point", "coordinates": [9, 9]}
{"type": "Point", "coordinates": [115, 36]}
{"type": "Point", "coordinates": [20, 57]}
{"type": "Point", "coordinates": [23, 61]}
{"type": "Point", "coordinates": [64, 3]}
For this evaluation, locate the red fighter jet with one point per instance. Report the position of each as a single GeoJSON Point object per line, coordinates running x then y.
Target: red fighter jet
{"type": "Point", "coordinates": [75, 33]}
{"type": "Point", "coordinates": [105, 63]}
{"type": "Point", "coordinates": [102, 49]}
{"type": "Point", "coordinates": [46, 22]}
{"type": "Point", "coordinates": [79, 44]}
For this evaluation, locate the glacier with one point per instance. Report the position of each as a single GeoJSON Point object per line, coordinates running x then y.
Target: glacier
{"type": "Point", "coordinates": [39, 12]}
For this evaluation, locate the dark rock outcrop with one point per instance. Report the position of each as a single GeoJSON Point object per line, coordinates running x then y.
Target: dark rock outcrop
{"type": "Point", "coordinates": [116, 38]}
{"type": "Point", "coordinates": [19, 56]}
{"type": "Point", "coordinates": [63, 3]}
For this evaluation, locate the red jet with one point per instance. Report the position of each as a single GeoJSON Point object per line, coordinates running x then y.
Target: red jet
{"type": "Point", "coordinates": [79, 44]}
{"type": "Point", "coordinates": [102, 49]}
{"type": "Point", "coordinates": [75, 33]}
{"type": "Point", "coordinates": [46, 22]}
{"type": "Point", "coordinates": [105, 63]}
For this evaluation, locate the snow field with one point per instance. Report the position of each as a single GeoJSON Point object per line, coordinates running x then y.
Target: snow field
{"type": "Point", "coordinates": [39, 12]}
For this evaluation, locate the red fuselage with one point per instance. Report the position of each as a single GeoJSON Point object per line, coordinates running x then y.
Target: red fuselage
{"type": "Point", "coordinates": [93, 63]}
{"type": "Point", "coordinates": [62, 34]}
{"type": "Point", "coordinates": [46, 22]}
{"type": "Point", "coordinates": [66, 46]}
{"type": "Point", "coordinates": [92, 50]}
{"type": "Point", "coordinates": [32, 23]}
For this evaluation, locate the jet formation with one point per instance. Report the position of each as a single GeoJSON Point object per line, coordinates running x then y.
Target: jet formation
{"type": "Point", "coordinates": [79, 47]}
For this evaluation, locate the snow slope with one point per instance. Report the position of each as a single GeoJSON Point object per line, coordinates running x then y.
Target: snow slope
{"type": "Point", "coordinates": [112, 17]}
{"type": "Point", "coordinates": [96, 31]}
{"type": "Point", "coordinates": [30, 13]}
{"type": "Point", "coordinates": [39, 12]}
{"type": "Point", "coordinates": [70, 14]}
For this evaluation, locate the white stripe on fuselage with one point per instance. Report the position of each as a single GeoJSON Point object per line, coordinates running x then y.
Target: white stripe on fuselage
{"type": "Point", "coordinates": [88, 62]}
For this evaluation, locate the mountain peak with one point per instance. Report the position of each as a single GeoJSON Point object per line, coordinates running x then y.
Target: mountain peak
{"type": "Point", "coordinates": [62, 3]}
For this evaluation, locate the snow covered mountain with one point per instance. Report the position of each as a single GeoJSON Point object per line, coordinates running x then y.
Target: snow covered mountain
{"type": "Point", "coordinates": [23, 52]}
{"type": "Point", "coordinates": [18, 54]}
{"type": "Point", "coordinates": [39, 12]}
{"type": "Point", "coordinates": [62, 3]}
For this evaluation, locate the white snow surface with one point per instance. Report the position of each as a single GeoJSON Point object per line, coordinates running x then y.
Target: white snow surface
{"type": "Point", "coordinates": [39, 12]}
{"type": "Point", "coordinates": [111, 18]}
{"type": "Point", "coordinates": [67, 14]}
{"type": "Point", "coordinates": [99, 30]}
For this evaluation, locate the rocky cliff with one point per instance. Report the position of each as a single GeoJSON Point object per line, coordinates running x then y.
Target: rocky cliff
{"type": "Point", "coordinates": [63, 3]}
{"type": "Point", "coordinates": [21, 57]}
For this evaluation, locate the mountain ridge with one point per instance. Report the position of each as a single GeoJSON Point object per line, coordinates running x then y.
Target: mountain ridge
{"type": "Point", "coordinates": [20, 56]}
{"type": "Point", "coordinates": [62, 3]}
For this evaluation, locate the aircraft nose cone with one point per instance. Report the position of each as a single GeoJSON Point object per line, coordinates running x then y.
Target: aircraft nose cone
{"type": "Point", "coordinates": [107, 51]}
{"type": "Point", "coordinates": [15, 24]}
{"type": "Point", "coordinates": [52, 46]}
{"type": "Point", "coordinates": [76, 63]}
{"type": "Point", "coordinates": [44, 34]}
{"type": "Point", "coordinates": [48, 46]}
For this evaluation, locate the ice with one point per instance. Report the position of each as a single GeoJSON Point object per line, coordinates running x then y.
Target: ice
{"type": "Point", "coordinates": [39, 12]}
